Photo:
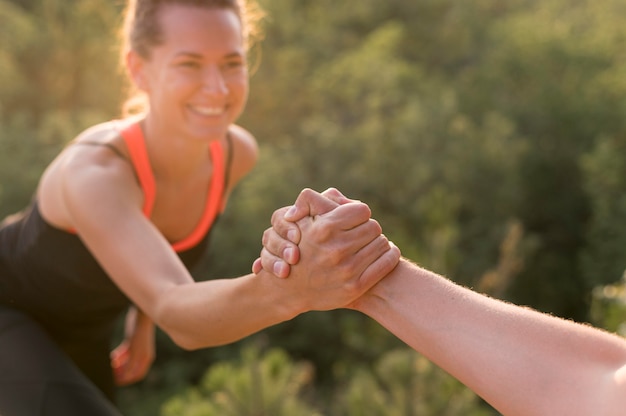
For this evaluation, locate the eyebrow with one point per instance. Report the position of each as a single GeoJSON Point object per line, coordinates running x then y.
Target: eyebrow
{"type": "Point", "coordinates": [199, 56]}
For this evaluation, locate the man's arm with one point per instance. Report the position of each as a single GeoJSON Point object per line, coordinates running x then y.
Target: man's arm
{"type": "Point", "coordinates": [520, 361]}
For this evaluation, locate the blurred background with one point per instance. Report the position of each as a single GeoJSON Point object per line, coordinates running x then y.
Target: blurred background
{"type": "Point", "coordinates": [488, 137]}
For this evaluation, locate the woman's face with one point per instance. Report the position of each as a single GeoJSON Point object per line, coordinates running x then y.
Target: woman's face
{"type": "Point", "coordinates": [197, 79]}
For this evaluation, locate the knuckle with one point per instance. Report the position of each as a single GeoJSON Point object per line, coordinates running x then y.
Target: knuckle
{"type": "Point", "coordinates": [375, 225]}
{"type": "Point", "coordinates": [353, 288]}
{"type": "Point", "coordinates": [341, 255]}
{"type": "Point", "coordinates": [363, 208]}
{"type": "Point", "coordinates": [266, 236]}
{"type": "Point", "coordinates": [275, 217]}
{"type": "Point", "coordinates": [324, 230]}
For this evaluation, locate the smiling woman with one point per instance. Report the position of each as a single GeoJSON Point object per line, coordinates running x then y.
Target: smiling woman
{"type": "Point", "coordinates": [123, 213]}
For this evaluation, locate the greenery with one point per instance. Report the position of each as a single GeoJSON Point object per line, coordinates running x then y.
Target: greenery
{"type": "Point", "coordinates": [488, 137]}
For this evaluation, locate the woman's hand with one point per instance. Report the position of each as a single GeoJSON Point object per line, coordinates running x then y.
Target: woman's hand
{"type": "Point", "coordinates": [132, 359]}
{"type": "Point", "coordinates": [280, 241]}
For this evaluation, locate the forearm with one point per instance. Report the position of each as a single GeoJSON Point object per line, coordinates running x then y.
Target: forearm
{"type": "Point", "coordinates": [521, 361]}
{"type": "Point", "coordinates": [219, 312]}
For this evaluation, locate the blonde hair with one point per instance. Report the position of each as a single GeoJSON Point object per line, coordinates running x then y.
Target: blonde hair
{"type": "Point", "coordinates": [141, 32]}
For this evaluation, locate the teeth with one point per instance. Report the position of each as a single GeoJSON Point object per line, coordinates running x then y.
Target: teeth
{"type": "Point", "coordinates": [209, 111]}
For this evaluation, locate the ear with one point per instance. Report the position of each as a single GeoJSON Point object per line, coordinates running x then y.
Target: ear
{"type": "Point", "coordinates": [135, 65]}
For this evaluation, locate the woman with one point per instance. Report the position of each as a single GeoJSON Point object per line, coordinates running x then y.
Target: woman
{"type": "Point", "coordinates": [125, 210]}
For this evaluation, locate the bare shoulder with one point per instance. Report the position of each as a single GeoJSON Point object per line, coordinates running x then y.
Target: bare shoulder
{"type": "Point", "coordinates": [107, 133]}
{"type": "Point", "coordinates": [244, 142]}
{"type": "Point", "coordinates": [245, 153]}
{"type": "Point", "coordinates": [83, 177]}
{"type": "Point", "coordinates": [96, 170]}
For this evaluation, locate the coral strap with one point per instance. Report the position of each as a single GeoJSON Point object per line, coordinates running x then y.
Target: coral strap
{"type": "Point", "coordinates": [133, 137]}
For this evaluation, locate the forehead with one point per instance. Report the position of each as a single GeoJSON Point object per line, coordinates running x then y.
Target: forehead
{"type": "Point", "coordinates": [199, 29]}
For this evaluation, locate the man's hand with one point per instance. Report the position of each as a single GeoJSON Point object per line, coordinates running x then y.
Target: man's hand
{"type": "Point", "coordinates": [341, 252]}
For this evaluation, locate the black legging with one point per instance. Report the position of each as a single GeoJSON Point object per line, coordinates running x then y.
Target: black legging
{"type": "Point", "coordinates": [38, 379]}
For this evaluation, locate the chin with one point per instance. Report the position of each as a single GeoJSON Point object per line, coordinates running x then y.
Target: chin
{"type": "Point", "coordinates": [209, 134]}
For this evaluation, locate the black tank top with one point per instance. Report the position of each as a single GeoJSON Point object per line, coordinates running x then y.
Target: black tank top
{"type": "Point", "coordinates": [51, 275]}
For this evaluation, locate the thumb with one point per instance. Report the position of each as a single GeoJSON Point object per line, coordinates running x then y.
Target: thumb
{"type": "Point", "coordinates": [309, 204]}
{"type": "Point", "coordinates": [335, 195]}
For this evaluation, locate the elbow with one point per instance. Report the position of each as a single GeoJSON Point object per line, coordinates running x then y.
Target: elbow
{"type": "Point", "coordinates": [178, 331]}
{"type": "Point", "coordinates": [182, 338]}
{"type": "Point", "coordinates": [184, 341]}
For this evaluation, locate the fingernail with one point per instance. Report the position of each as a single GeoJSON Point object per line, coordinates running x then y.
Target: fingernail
{"type": "Point", "coordinates": [278, 268]}
{"type": "Point", "coordinates": [288, 254]}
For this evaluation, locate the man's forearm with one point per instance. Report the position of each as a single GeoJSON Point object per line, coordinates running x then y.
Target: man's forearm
{"type": "Point", "coordinates": [521, 361]}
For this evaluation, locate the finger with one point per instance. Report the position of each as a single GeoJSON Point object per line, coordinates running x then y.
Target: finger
{"type": "Point", "coordinates": [382, 265]}
{"type": "Point", "coordinates": [257, 266]}
{"type": "Point", "coordinates": [334, 195]}
{"type": "Point", "coordinates": [120, 373]}
{"type": "Point", "coordinates": [278, 246]}
{"type": "Point", "coordinates": [286, 229]}
{"type": "Point", "coordinates": [120, 355]}
{"type": "Point", "coordinates": [274, 265]}
{"type": "Point", "coordinates": [368, 267]}
{"type": "Point", "coordinates": [348, 216]}
{"type": "Point", "coordinates": [281, 270]}
{"type": "Point", "coordinates": [309, 203]}
{"type": "Point", "coordinates": [348, 243]}
{"type": "Point", "coordinates": [137, 372]}
{"type": "Point", "coordinates": [363, 234]}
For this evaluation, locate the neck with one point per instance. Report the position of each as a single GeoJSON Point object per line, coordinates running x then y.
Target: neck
{"type": "Point", "coordinates": [172, 155]}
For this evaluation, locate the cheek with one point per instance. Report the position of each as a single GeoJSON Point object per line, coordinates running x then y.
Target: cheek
{"type": "Point", "coordinates": [239, 98]}
{"type": "Point", "coordinates": [170, 90]}
{"type": "Point", "coordinates": [243, 97]}
{"type": "Point", "coordinates": [240, 87]}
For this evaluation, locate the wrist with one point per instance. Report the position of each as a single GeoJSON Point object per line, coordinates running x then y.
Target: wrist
{"type": "Point", "coordinates": [381, 295]}
{"type": "Point", "coordinates": [279, 296]}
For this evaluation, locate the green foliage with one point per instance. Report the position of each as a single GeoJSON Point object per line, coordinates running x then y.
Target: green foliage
{"type": "Point", "coordinates": [256, 385]}
{"type": "Point", "coordinates": [58, 71]}
{"type": "Point", "coordinates": [608, 307]}
{"type": "Point", "coordinates": [402, 383]}
{"type": "Point", "coordinates": [605, 166]}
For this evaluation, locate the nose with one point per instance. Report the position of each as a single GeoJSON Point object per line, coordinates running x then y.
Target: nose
{"type": "Point", "coordinates": [213, 81]}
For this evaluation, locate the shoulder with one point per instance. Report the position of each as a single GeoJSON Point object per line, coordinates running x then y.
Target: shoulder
{"type": "Point", "coordinates": [83, 177]}
{"type": "Point", "coordinates": [244, 142]}
{"type": "Point", "coordinates": [91, 154]}
{"type": "Point", "coordinates": [107, 134]}
{"type": "Point", "coordinates": [245, 153]}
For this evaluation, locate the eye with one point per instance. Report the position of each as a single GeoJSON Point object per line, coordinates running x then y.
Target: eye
{"type": "Point", "coordinates": [234, 64]}
{"type": "Point", "coordinates": [189, 64]}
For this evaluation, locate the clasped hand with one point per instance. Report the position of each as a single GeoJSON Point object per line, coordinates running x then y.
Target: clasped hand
{"type": "Point", "coordinates": [329, 246]}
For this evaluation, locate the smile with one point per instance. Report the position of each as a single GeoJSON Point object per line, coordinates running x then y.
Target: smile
{"type": "Point", "coordinates": [208, 111]}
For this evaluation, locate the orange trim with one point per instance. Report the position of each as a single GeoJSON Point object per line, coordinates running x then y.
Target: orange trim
{"type": "Point", "coordinates": [213, 202]}
{"type": "Point", "coordinates": [133, 136]}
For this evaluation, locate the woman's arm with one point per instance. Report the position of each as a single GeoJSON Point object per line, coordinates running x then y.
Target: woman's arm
{"type": "Point", "coordinates": [521, 361]}
{"type": "Point", "coordinates": [103, 203]}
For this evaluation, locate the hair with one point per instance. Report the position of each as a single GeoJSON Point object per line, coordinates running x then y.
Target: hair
{"type": "Point", "coordinates": [142, 31]}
